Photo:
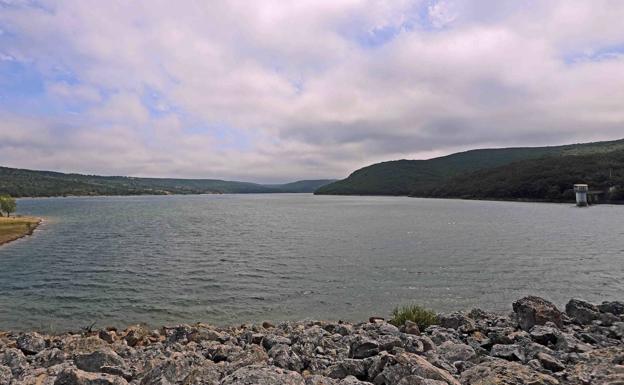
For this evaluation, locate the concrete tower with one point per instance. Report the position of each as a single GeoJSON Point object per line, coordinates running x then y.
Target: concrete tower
{"type": "Point", "coordinates": [581, 194]}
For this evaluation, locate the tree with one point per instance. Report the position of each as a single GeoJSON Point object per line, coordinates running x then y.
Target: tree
{"type": "Point", "coordinates": [7, 204]}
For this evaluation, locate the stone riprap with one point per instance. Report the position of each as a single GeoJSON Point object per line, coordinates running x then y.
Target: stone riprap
{"type": "Point", "coordinates": [535, 344]}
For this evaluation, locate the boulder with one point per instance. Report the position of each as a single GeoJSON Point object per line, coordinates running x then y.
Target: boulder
{"type": "Point", "coordinates": [50, 357]}
{"type": "Point", "coordinates": [136, 335]}
{"type": "Point", "coordinates": [206, 374]}
{"type": "Point", "coordinates": [271, 340]}
{"type": "Point", "coordinates": [263, 375]}
{"type": "Point", "coordinates": [531, 311]}
{"type": "Point", "coordinates": [107, 335]}
{"type": "Point", "coordinates": [613, 307]}
{"type": "Point", "coordinates": [363, 347]}
{"type": "Point", "coordinates": [79, 377]}
{"type": "Point", "coordinates": [508, 352]}
{"type": "Point", "coordinates": [581, 312]}
{"type": "Point", "coordinates": [285, 358]}
{"type": "Point", "coordinates": [172, 370]}
{"type": "Point", "coordinates": [31, 343]}
{"type": "Point", "coordinates": [5, 375]}
{"type": "Point", "coordinates": [408, 364]}
{"type": "Point", "coordinates": [544, 334]}
{"type": "Point", "coordinates": [348, 367]}
{"type": "Point", "coordinates": [79, 344]}
{"type": "Point", "coordinates": [496, 372]}
{"type": "Point", "coordinates": [94, 361]}
{"type": "Point", "coordinates": [456, 320]}
{"type": "Point", "coordinates": [252, 355]}
{"type": "Point", "coordinates": [14, 359]}
{"type": "Point", "coordinates": [412, 328]}
{"type": "Point", "coordinates": [316, 379]}
{"type": "Point", "coordinates": [550, 363]}
{"type": "Point", "coordinates": [452, 352]}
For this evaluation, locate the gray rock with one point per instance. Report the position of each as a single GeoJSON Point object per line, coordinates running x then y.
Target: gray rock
{"type": "Point", "coordinates": [582, 312]}
{"type": "Point", "coordinates": [427, 343]}
{"type": "Point", "coordinates": [108, 336]}
{"type": "Point", "coordinates": [79, 377]}
{"type": "Point", "coordinates": [348, 367]}
{"type": "Point", "coordinates": [350, 380]}
{"type": "Point", "coordinates": [417, 380]}
{"type": "Point", "coordinates": [412, 328]}
{"type": "Point", "coordinates": [544, 334]}
{"type": "Point", "coordinates": [93, 362]}
{"type": "Point", "coordinates": [608, 319]}
{"type": "Point", "coordinates": [614, 307]}
{"type": "Point", "coordinates": [363, 347]}
{"type": "Point", "coordinates": [15, 360]}
{"type": "Point", "coordinates": [319, 380]}
{"type": "Point", "coordinates": [5, 375]}
{"type": "Point", "coordinates": [386, 328]}
{"type": "Point", "coordinates": [271, 340]}
{"type": "Point", "coordinates": [456, 320]}
{"type": "Point", "coordinates": [408, 364]}
{"type": "Point", "coordinates": [172, 370]}
{"type": "Point", "coordinates": [567, 342]}
{"type": "Point", "coordinates": [50, 357]}
{"type": "Point", "coordinates": [136, 334]}
{"type": "Point", "coordinates": [531, 311]}
{"type": "Point", "coordinates": [508, 352]}
{"type": "Point", "coordinates": [263, 375]}
{"type": "Point", "coordinates": [389, 342]}
{"type": "Point", "coordinates": [206, 374]}
{"type": "Point", "coordinates": [549, 362]}
{"type": "Point", "coordinates": [285, 358]}
{"type": "Point", "coordinates": [617, 330]}
{"type": "Point", "coordinates": [251, 355]}
{"type": "Point", "coordinates": [31, 343]}
{"type": "Point", "coordinates": [452, 352]}
{"type": "Point", "coordinates": [501, 372]}
{"type": "Point", "coordinates": [222, 352]}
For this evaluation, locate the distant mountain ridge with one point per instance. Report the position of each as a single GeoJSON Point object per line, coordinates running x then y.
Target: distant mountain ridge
{"type": "Point", "coordinates": [428, 177]}
{"type": "Point", "coordinates": [32, 183]}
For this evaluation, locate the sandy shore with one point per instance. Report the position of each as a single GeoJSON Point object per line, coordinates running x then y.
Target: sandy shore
{"type": "Point", "coordinates": [17, 227]}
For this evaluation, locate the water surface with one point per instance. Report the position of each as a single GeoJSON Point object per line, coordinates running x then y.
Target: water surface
{"type": "Point", "coordinates": [233, 258]}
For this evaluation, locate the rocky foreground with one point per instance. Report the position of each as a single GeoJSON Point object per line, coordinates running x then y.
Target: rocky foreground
{"type": "Point", "coordinates": [536, 344]}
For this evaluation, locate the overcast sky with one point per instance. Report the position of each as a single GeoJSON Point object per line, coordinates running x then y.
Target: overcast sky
{"type": "Point", "coordinates": [273, 91]}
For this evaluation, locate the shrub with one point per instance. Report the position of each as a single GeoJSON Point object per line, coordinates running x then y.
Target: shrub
{"type": "Point", "coordinates": [415, 313]}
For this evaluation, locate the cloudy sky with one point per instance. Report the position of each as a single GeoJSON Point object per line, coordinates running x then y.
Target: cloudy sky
{"type": "Point", "coordinates": [273, 90]}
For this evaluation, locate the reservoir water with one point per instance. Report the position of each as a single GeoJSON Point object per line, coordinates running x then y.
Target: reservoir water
{"type": "Point", "coordinates": [234, 258]}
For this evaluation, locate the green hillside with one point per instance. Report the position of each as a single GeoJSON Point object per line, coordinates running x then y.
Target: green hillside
{"type": "Point", "coordinates": [404, 177]}
{"type": "Point", "coordinates": [22, 183]}
{"type": "Point", "coordinates": [301, 186]}
{"type": "Point", "coordinates": [547, 179]}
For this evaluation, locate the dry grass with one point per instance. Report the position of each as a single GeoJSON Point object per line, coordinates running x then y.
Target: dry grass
{"type": "Point", "coordinates": [15, 228]}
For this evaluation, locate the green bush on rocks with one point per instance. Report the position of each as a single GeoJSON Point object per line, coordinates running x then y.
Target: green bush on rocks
{"type": "Point", "coordinates": [415, 313]}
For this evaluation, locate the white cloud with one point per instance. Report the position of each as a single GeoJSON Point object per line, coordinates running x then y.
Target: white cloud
{"type": "Point", "coordinates": [282, 90]}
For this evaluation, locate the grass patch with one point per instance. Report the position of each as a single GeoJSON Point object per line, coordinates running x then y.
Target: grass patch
{"type": "Point", "coordinates": [17, 227]}
{"type": "Point", "coordinates": [415, 313]}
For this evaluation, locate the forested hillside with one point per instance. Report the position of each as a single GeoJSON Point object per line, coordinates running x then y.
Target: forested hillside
{"type": "Point", "coordinates": [22, 183]}
{"type": "Point", "coordinates": [420, 177]}
{"type": "Point", "coordinates": [548, 179]}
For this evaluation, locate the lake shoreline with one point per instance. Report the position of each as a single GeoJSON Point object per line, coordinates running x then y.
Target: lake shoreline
{"type": "Point", "coordinates": [537, 343]}
{"type": "Point", "coordinates": [14, 228]}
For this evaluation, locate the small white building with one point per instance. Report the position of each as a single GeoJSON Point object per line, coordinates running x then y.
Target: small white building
{"type": "Point", "coordinates": [581, 194]}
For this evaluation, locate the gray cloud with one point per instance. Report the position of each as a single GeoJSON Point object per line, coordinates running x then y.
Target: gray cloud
{"type": "Point", "coordinates": [272, 91]}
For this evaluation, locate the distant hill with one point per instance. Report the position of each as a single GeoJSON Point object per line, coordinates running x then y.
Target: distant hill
{"type": "Point", "coordinates": [22, 183]}
{"type": "Point", "coordinates": [302, 186]}
{"type": "Point", "coordinates": [544, 179]}
{"type": "Point", "coordinates": [422, 177]}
